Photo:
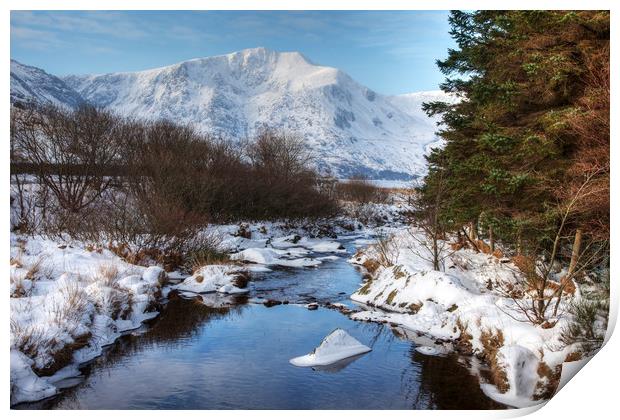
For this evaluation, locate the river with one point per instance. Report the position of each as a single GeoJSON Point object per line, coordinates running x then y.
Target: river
{"type": "Point", "coordinates": [233, 353]}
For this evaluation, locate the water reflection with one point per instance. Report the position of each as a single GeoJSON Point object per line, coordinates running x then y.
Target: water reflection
{"type": "Point", "coordinates": [446, 382]}
{"type": "Point", "coordinates": [338, 366]}
{"type": "Point", "coordinates": [214, 352]}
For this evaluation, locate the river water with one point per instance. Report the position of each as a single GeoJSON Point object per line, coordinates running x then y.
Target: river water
{"type": "Point", "coordinates": [233, 353]}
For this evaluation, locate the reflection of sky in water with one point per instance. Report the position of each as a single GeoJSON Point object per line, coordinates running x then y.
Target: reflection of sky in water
{"type": "Point", "coordinates": [240, 360]}
{"type": "Point", "coordinates": [198, 357]}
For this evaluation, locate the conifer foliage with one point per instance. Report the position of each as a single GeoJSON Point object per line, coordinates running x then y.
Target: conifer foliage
{"type": "Point", "coordinates": [526, 152]}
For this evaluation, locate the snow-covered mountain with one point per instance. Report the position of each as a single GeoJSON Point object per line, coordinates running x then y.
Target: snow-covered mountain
{"type": "Point", "coordinates": [33, 84]}
{"type": "Point", "coordinates": [349, 128]}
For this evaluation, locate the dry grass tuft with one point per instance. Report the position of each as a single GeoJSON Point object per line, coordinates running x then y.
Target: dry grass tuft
{"type": "Point", "coordinates": [16, 262]}
{"type": "Point", "coordinates": [549, 381]}
{"type": "Point", "coordinates": [463, 342]}
{"type": "Point", "coordinates": [391, 296]}
{"type": "Point", "coordinates": [573, 357]}
{"type": "Point", "coordinates": [17, 280]}
{"type": "Point", "coordinates": [492, 341]}
{"type": "Point", "coordinates": [108, 274]}
{"type": "Point", "coordinates": [371, 265]}
{"type": "Point", "coordinates": [34, 269]}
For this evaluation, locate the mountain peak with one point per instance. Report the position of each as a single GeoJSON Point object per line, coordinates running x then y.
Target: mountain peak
{"type": "Point", "coordinates": [30, 84]}
{"type": "Point", "coordinates": [348, 127]}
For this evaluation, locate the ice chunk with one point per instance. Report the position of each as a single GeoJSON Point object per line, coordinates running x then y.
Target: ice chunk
{"type": "Point", "coordinates": [336, 346]}
{"type": "Point", "coordinates": [428, 350]}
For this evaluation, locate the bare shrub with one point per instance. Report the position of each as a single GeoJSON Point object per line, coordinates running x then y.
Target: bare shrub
{"type": "Point", "coordinates": [361, 190]}
{"type": "Point", "coordinates": [387, 250]}
{"type": "Point", "coordinates": [281, 182]}
{"type": "Point", "coordinates": [148, 188]}
{"type": "Point", "coordinates": [69, 311]}
{"type": "Point", "coordinates": [28, 339]}
{"type": "Point", "coordinates": [70, 151]}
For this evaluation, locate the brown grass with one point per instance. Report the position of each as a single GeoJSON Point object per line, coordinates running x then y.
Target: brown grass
{"type": "Point", "coordinates": [549, 381]}
{"type": "Point", "coordinates": [365, 289]}
{"type": "Point", "coordinates": [463, 342]}
{"type": "Point", "coordinates": [414, 308]}
{"type": "Point", "coordinates": [573, 357]}
{"type": "Point", "coordinates": [63, 356]}
{"type": "Point", "coordinates": [18, 281]}
{"type": "Point", "coordinates": [108, 273]}
{"type": "Point", "coordinates": [241, 280]}
{"type": "Point", "coordinates": [391, 297]}
{"type": "Point", "coordinates": [16, 262]}
{"type": "Point", "coordinates": [371, 265]}
{"type": "Point", "coordinates": [34, 269]}
{"type": "Point", "coordinates": [398, 272]}
{"type": "Point", "coordinates": [492, 341]}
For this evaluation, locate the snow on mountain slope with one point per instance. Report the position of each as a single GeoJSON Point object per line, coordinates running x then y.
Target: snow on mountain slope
{"type": "Point", "coordinates": [349, 128]}
{"type": "Point", "coordinates": [31, 84]}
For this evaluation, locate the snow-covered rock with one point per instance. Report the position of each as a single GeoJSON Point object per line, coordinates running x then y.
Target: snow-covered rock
{"type": "Point", "coordinates": [429, 351]}
{"type": "Point", "coordinates": [279, 257]}
{"type": "Point", "coordinates": [212, 278]}
{"type": "Point", "coordinates": [336, 346]}
{"type": "Point", "coordinates": [155, 275]}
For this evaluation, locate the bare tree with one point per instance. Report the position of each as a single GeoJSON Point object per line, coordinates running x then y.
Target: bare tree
{"type": "Point", "coordinates": [584, 253]}
{"type": "Point", "coordinates": [70, 151]}
{"type": "Point", "coordinates": [427, 217]}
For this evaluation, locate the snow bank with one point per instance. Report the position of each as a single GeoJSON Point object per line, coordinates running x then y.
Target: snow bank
{"type": "Point", "coordinates": [76, 302]}
{"type": "Point", "coordinates": [459, 306]}
{"type": "Point", "coordinates": [336, 346]}
{"type": "Point", "coordinates": [25, 384]}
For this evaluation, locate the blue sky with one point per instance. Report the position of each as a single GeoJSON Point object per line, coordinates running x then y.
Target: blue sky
{"type": "Point", "coordinates": [390, 52]}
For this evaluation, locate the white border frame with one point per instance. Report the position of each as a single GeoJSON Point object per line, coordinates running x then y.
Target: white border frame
{"type": "Point", "coordinates": [592, 394]}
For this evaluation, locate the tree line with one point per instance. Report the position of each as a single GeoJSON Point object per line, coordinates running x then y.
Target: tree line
{"type": "Point", "coordinates": [96, 173]}
{"type": "Point", "coordinates": [92, 175]}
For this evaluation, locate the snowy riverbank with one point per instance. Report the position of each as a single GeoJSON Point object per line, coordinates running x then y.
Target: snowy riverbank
{"type": "Point", "coordinates": [465, 308]}
{"type": "Point", "coordinates": [70, 300]}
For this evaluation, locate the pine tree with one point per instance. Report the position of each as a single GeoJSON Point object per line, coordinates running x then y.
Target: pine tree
{"type": "Point", "coordinates": [519, 140]}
